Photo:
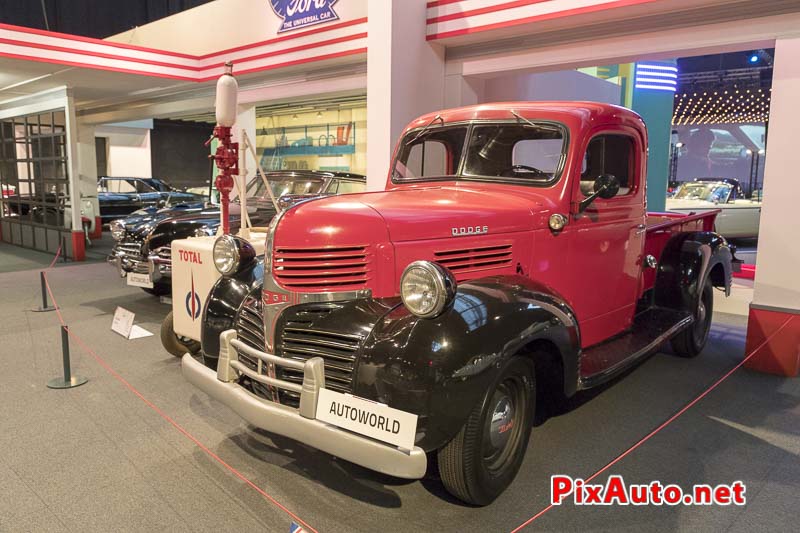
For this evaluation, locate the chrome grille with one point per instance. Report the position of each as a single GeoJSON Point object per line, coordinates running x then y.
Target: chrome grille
{"type": "Point", "coordinates": [132, 257]}
{"type": "Point", "coordinates": [250, 326]}
{"type": "Point", "coordinates": [322, 269]}
{"type": "Point", "coordinates": [164, 255]}
{"type": "Point", "coordinates": [467, 260]}
{"type": "Point", "coordinates": [300, 340]}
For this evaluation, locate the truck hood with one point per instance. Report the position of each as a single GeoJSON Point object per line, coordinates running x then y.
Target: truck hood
{"type": "Point", "coordinates": [414, 214]}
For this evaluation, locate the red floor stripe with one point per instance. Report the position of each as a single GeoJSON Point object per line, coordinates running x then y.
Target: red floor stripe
{"type": "Point", "coordinates": [665, 424]}
{"type": "Point", "coordinates": [165, 416]}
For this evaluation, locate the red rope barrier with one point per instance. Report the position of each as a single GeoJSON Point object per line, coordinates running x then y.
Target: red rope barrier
{"type": "Point", "coordinates": [666, 423]}
{"type": "Point", "coordinates": [58, 253]}
{"type": "Point", "coordinates": [167, 418]}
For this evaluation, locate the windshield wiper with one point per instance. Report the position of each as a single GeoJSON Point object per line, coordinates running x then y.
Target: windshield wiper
{"type": "Point", "coordinates": [423, 130]}
{"type": "Point", "coordinates": [523, 119]}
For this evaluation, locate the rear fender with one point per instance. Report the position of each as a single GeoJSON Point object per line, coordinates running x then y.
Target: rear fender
{"type": "Point", "coordinates": [686, 262]}
{"type": "Point", "coordinates": [441, 368]}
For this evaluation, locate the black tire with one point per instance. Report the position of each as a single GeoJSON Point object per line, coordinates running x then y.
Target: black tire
{"type": "Point", "coordinates": [160, 288]}
{"type": "Point", "coordinates": [480, 463]}
{"type": "Point", "coordinates": [691, 340]}
{"type": "Point", "coordinates": [174, 344]}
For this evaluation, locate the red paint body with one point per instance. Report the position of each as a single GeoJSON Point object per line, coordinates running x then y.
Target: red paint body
{"type": "Point", "coordinates": [594, 263]}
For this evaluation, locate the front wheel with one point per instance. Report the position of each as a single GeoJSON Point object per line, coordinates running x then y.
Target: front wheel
{"type": "Point", "coordinates": [175, 344]}
{"type": "Point", "coordinates": [691, 340]}
{"type": "Point", "coordinates": [483, 459]}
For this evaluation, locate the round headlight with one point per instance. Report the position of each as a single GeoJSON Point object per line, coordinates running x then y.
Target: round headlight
{"type": "Point", "coordinates": [226, 254]}
{"type": "Point", "coordinates": [117, 230]}
{"type": "Point", "coordinates": [426, 288]}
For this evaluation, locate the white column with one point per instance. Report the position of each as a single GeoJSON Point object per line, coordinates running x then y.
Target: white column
{"type": "Point", "coordinates": [777, 283]}
{"type": "Point", "coordinates": [405, 78]}
{"type": "Point", "coordinates": [73, 163]}
{"type": "Point", "coordinates": [87, 167]}
{"type": "Point", "coordinates": [246, 120]}
{"type": "Point", "coordinates": [460, 91]}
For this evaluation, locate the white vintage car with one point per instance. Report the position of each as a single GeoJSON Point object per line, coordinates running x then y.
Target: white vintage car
{"type": "Point", "coordinates": [739, 217]}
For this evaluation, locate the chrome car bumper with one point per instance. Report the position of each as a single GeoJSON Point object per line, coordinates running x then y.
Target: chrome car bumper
{"type": "Point", "coordinates": [157, 266]}
{"type": "Point", "coordinates": [299, 424]}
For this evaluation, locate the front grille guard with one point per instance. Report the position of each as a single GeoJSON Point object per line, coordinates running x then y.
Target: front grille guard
{"type": "Point", "coordinates": [230, 368]}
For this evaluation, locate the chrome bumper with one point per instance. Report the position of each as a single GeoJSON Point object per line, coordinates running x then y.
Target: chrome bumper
{"type": "Point", "coordinates": [298, 424]}
{"type": "Point", "coordinates": [155, 266]}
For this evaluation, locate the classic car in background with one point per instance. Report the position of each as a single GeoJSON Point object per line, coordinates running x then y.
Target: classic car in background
{"type": "Point", "coordinates": [119, 197]}
{"type": "Point", "coordinates": [144, 238]}
{"type": "Point", "coordinates": [740, 216]}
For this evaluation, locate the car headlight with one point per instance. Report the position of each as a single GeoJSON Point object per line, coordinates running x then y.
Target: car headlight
{"type": "Point", "coordinates": [117, 230]}
{"type": "Point", "coordinates": [427, 288]}
{"type": "Point", "coordinates": [231, 254]}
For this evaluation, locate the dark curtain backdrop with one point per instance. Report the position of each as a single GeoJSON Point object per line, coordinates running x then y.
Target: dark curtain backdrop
{"type": "Point", "coordinates": [177, 152]}
{"type": "Point", "coordinates": [90, 18]}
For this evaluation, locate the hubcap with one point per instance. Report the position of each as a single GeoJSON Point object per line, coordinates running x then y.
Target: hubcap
{"type": "Point", "coordinates": [501, 422]}
{"type": "Point", "coordinates": [701, 313]}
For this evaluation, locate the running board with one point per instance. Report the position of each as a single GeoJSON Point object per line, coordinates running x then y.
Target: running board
{"type": "Point", "coordinates": [650, 329]}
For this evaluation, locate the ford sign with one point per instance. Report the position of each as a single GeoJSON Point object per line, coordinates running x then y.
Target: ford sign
{"type": "Point", "coordinates": [301, 13]}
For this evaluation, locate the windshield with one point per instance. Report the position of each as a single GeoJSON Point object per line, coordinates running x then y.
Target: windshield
{"type": "Point", "coordinates": [284, 186]}
{"type": "Point", "coordinates": [711, 192]}
{"type": "Point", "coordinates": [533, 153]}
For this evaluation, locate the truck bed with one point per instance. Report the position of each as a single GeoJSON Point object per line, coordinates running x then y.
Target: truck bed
{"type": "Point", "coordinates": [704, 221]}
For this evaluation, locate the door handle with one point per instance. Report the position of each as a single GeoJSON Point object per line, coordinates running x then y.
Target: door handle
{"type": "Point", "coordinates": [640, 228]}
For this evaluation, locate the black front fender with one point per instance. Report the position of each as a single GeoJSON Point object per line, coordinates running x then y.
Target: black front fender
{"type": "Point", "coordinates": [440, 368]}
{"type": "Point", "coordinates": [223, 302]}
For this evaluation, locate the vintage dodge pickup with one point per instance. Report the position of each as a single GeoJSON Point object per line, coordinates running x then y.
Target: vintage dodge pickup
{"type": "Point", "coordinates": [509, 262]}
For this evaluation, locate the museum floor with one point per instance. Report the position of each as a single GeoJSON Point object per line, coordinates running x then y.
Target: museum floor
{"type": "Point", "coordinates": [102, 458]}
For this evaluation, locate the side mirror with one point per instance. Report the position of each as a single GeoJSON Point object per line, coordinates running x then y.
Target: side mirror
{"type": "Point", "coordinates": [605, 187]}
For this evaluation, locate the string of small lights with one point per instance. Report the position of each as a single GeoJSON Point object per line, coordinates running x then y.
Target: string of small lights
{"type": "Point", "coordinates": [734, 106]}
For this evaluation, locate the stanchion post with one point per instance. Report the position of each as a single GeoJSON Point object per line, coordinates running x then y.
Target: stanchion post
{"type": "Point", "coordinates": [68, 381]}
{"type": "Point", "coordinates": [45, 306]}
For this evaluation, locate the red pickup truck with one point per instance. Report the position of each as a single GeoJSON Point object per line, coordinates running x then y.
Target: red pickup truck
{"type": "Point", "coordinates": [510, 262]}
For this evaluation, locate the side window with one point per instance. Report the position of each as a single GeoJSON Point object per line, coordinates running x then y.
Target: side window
{"type": "Point", "coordinates": [142, 186]}
{"type": "Point", "coordinates": [119, 186]}
{"type": "Point", "coordinates": [609, 154]}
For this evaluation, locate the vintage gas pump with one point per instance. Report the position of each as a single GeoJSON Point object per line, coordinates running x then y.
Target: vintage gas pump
{"type": "Point", "coordinates": [193, 270]}
{"type": "Point", "coordinates": [226, 156]}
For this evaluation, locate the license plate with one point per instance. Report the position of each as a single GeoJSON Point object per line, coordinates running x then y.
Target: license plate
{"type": "Point", "coordinates": [140, 280]}
{"type": "Point", "coordinates": [375, 420]}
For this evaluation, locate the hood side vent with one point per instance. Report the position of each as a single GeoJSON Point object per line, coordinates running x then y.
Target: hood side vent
{"type": "Point", "coordinates": [322, 269]}
{"type": "Point", "coordinates": [467, 260]}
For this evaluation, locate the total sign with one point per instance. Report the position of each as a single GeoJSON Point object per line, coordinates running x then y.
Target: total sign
{"type": "Point", "coordinates": [193, 276]}
{"type": "Point", "coordinates": [302, 13]}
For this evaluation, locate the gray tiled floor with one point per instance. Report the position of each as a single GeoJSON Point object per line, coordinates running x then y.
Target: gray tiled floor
{"type": "Point", "coordinates": [97, 458]}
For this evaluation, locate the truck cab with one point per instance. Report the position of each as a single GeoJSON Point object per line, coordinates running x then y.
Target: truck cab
{"type": "Point", "coordinates": [510, 260]}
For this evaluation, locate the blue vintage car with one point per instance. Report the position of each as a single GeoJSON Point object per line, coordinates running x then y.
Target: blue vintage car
{"type": "Point", "coordinates": [119, 197]}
